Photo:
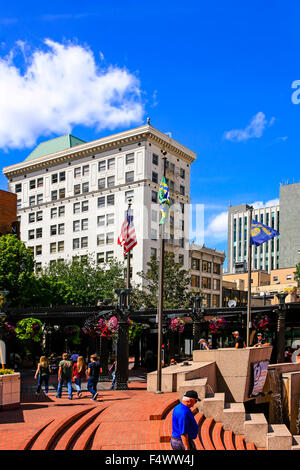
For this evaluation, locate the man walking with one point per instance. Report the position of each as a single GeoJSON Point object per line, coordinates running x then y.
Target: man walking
{"type": "Point", "coordinates": [93, 375]}
{"type": "Point", "coordinates": [184, 425]}
{"type": "Point", "coordinates": [65, 374]}
{"type": "Point", "coordinates": [239, 342]}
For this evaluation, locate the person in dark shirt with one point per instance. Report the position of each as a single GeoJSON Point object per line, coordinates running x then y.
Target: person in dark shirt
{"type": "Point", "coordinates": [93, 372]}
{"type": "Point", "coordinates": [239, 342]}
{"type": "Point", "coordinates": [184, 426]}
{"type": "Point", "coordinates": [261, 341]}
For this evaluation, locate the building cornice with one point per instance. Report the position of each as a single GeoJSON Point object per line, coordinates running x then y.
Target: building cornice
{"type": "Point", "coordinates": [132, 136]}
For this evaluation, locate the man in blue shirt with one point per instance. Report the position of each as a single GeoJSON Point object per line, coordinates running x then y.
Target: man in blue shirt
{"type": "Point", "coordinates": [184, 425]}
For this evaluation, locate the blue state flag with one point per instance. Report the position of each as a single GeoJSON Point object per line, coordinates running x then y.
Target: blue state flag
{"type": "Point", "coordinates": [261, 233]}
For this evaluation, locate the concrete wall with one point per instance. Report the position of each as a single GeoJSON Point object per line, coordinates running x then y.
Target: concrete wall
{"type": "Point", "coordinates": [289, 225]}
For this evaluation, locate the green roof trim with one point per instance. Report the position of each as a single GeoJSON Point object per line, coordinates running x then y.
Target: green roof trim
{"type": "Point", "coordinates": [55, 145]}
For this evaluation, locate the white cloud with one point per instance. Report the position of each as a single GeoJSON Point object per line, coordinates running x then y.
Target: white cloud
{"type": "Point", "coordinates": [253, 130]}
{"type": "Point", "coordinates": [62, 86]}
{"type": "Point", "coordinates": [218, 227]}
{"type": "Point", "coordinates": [270, 203]}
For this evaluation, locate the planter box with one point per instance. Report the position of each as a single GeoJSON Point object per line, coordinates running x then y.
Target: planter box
{"type": "Point", "coordinates": [10, 391]}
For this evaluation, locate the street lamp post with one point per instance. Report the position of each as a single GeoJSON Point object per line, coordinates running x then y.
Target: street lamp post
{"type": "Point", "coordinates": [250, 209]}
{"type": "Point", "coordinates": [197, 317]}
{"type": "Point", "coordinates": [122, 313]}
{"type": "Point", "coordinates": [281, 314]}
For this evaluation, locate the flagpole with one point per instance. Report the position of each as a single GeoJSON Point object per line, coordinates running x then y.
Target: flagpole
{"type": "Point", "coordinates": [250, 209]}
{"type": "Point", "coordinates": [160, 297]}
{"type": "Point", "coordinates": [128, 258]}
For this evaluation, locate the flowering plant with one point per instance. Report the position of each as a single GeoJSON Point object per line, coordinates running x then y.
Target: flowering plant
{"type": "Point", "coordinates": [72, 331]}
{"type": "Point", "coordinates": [261, 322]}
{"type": "Point", "coordinates": [217, 324]}
{"type": "Point", "coordinates": [29, 329]}
{"type": "Point", "coordinates": [6, 371]}
{"type": "Point", "coordinates": [177, 324]}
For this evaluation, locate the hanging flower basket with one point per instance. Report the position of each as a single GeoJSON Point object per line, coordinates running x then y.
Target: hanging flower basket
{"type": "Point", "coordinates": [176, 324]}
{"type": "Point", "coordinates": [29, 329]}
{"type": "Point", "coordinates": [261, 322]}
{"type": "Point", "coordinates": [217, 324]}
{"type": "Point", "coordinates": [72, 332]}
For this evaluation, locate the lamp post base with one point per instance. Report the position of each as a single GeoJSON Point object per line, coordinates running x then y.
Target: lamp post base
{"type": "Point", "coordinates": [121, 386]}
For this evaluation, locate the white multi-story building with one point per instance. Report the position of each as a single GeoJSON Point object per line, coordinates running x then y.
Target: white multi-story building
{"type": "Point", "coordinates": [73, 195]}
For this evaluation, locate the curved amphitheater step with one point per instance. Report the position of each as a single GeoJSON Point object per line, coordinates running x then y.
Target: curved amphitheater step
{"type": "Point", "coordinates": [144, 424]}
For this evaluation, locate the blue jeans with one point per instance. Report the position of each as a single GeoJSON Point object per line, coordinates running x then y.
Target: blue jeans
{"type": "Point", "coordinates": [60, 384]}
{"type": "Point", "coordinates": [114, 379]}
{"type": "Point", "coordinates": [92, 385]}
{"type": "Point", "coordinates": [78, 384]}
{"type": "Point", "coordinates": [41, 379]}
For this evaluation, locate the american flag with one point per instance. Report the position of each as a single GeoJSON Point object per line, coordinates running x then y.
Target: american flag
{"type": "Point", "coordinates": [127, 239]}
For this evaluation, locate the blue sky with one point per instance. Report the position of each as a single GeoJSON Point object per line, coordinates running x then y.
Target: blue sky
{"type": "Point", "coordinates": [217, 75]}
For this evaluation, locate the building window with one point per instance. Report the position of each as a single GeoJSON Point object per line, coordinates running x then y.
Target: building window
{"type": "Point", "coordinates": [275, 278]}
{"type": "Point", "coordinates": [102, 165]}
{"type": "Point", "coordinates": [54, 195]}
{"type": "Point", "coordinates": [53, 230]}
{"type": "Point", "coordinates": [76, 207]}
{"type": "Point", "coordinates": [38, 267]}
{"type": "Point", "coordinates": [62, 193]}
{"type": "Point", "coordinates": [84, 206]}
{"type": "Point", "coordinates": [109, 238]}
{"type": "Point", "coordinates": [196, 264]}
{"type": "Point", "coordinates": [129, 158]}
{"type": "Point", "coordinates": [153, 252]}
{"type": "Point", "coordinates": [62, 176]}
{"type": "Point", "coordinates": [182, 173]}
{"type": "Point", "coordinates": [101, 201]}
{"type": "Point", "coordinates": [111, 164]}
{"type": "Point", "coordinates": [216, 284]}
{"type": "Point", "coordinates": [215, 300]}
{"type": "Point", "coordinates": [110, 181]}
{"type": "Point", "coordinates": [129, 195]}
{"type": "Point", "coordinates": [84, 242]}
{"type": "Point", "coordinates": [39, 216]}
{"type": "Point", "coordinates": [100, 257]}
{"type": "Point", "coordinates": [85, 170]}
{"type": "Point", "coordinates": [19, 203]}
{"type": "Point", "coordinates": [77, 172]}
{"type": "Point", "coordinates": [85, 187]}
{"type": "Point", "coordinates": [154, 177]}
{"type": "Point", "coordinates": [60, 246]}
{"type": "Point", "coordinates": [32, 201]}
{"type": "Point", "coordinates": [109, 256]}
{"type": "Point", "coordinates": [61, 211]}
{"type": "Point", "coordinates": [77, 189]}
{"type": "Point", "coordinates": [101, 183]}
{"type": "Point", "coordinates": [129, 176]}
{"type": "Point", "coordinates": [154, 196]}
{"type": "Point", "coordinates": [101, 220]}
{"type": "Point", "coordinates": [39, 233]}
{"type": "Point", "coordinates": [153, 234]}
{"type": "Point", "coordinates": [206, 283]}
{"type": "Point", "coordinates": [39, 199]}
{"type": "Point", "coordinates": [18, 188]}
{"type": "Point", "coordinates": [38, 250]}
{"type": "Point", "coordinates": [110, 219]}
{"type": "Point", "coordinates": [76, 225]}
{"type": "Point", "coordinates": [154, 159]}
{"type": "Point", "coordinates": [30, 234]}
{"type": "Point", "coordinates": [182, 207]}
{"type": "Point", "coordinates": [54, 178]}
{"type": "Point", "coordinates": [206, 266]}
{"type": "Point", "coordinates": [217, 268]}
{"type": "Point", "coordinates": [182, 190]}
{"type": "Point", "coordinates": [288, 277]}
{"type": "Point", "coordinates": [32, 184]}
{"type": "Point", "coordinates": [84, 224]}
{"type": "Point", "coordinates": [100, 239]}
{"type": "Point", "coordinates": [195, 281]}
{"type": "Point", "coordinates": [181, 259]}
{"type": "Point", "coordinates": [75, 243]}
{"type": "Point", "coordinates": [110, 200]}
{"type": "Point", "coordinates": [61, 229]}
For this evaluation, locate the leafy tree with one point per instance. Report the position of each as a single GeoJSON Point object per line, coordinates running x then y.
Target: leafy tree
{"type": "Point", "coordinates": [176, 285]}
{"type": "Point", "coordinates": [79, 282]}
{"type": "Point", "coordinates": [16, 270]}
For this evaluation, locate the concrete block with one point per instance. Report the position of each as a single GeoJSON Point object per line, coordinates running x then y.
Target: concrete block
{"type": "Point", "coordinates": [198, 384]}
{"type": "Point", "coordinates": [234, 417]}
{"type": "Point", "coordinates": [255, 429]}
{"type": "Point", "coordinates": [279, 437]}
{"type": "Point", "coordinates": [213, 407]}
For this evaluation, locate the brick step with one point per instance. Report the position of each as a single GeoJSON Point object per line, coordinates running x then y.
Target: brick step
{"type": "Point", "coordinates": [27, 444]}
{"type": "Point", "coordinates": [84, 440]}
{"type": "Point", "coordinates": [65, 440]}
{"type": "Point", "coordinates": [240, 443]}
{"type": "Point", "coordinates": [205, 434]}
{"type": "Point", "coordinates": [217, 436]}
{"type": "Point", "coordinates": [163, 409]}
{"type": "Point", "coordinates": [46, 439]}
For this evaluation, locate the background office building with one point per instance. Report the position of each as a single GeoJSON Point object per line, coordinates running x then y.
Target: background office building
{"type": "Point", "coordinates": [72, 196]}
{"type": "Point", "coordinates": [264, 257]}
